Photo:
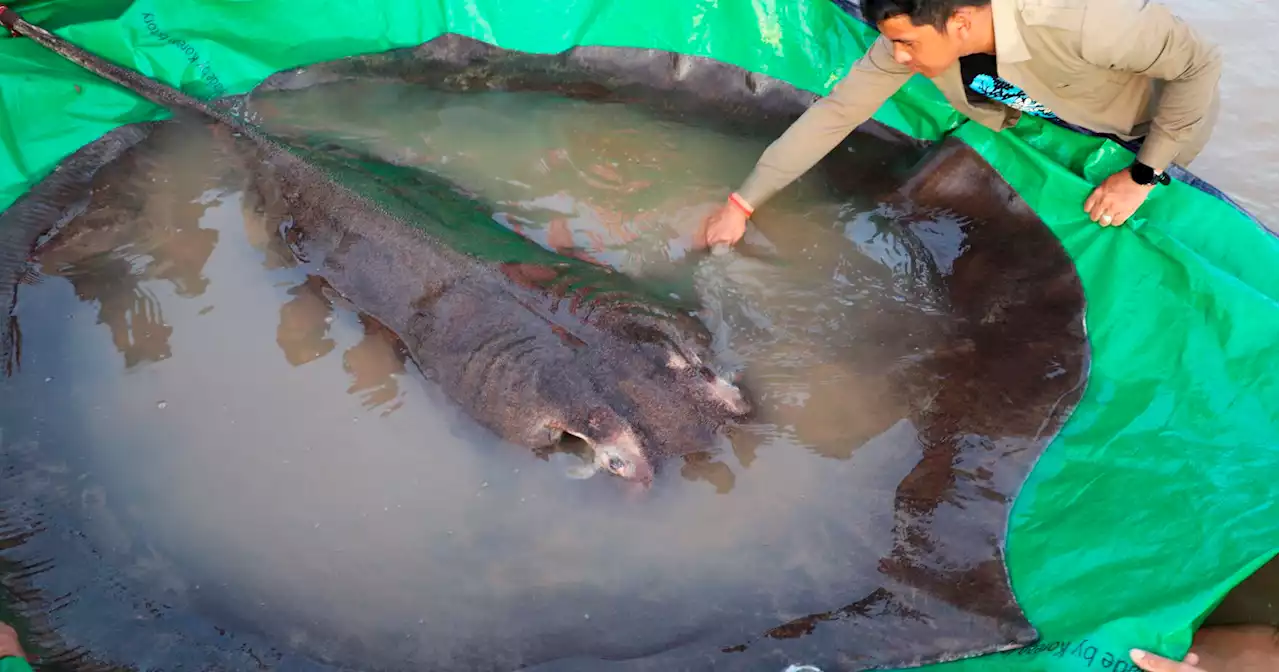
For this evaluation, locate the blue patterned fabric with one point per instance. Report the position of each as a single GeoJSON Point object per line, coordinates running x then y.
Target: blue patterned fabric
{"type": "Point", "coordinates": [1002, 91]}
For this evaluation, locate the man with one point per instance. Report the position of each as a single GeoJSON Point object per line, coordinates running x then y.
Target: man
{"type": "Point", "coordinates": [1124, 68]}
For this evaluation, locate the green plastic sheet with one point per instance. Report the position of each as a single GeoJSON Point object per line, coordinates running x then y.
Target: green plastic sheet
{"type": "Point", "coordinates": [14, 664]}
{"type": "Point", "coordinates": [1161, 492]}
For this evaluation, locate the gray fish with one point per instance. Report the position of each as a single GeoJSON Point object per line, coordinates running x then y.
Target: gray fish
{"type": "Point", "coordinates": [532, 345]}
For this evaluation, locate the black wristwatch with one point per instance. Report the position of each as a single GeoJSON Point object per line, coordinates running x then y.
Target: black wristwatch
{"type": "Point", "coordinates": [1146, 175]}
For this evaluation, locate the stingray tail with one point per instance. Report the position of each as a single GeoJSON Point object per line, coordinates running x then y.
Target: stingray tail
{"type": "Point", "coordinates": [154, 91]}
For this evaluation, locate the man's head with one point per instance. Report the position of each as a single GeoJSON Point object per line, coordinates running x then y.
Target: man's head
{"type": "Point", "coordinates": [930, 35]}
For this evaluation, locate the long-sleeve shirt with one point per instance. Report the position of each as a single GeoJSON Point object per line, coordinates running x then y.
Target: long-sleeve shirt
{"type": "Point", "coordinates": [1129, 68]}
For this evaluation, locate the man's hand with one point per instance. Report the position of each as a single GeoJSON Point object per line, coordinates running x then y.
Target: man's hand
{"type": "Point", "coordinates": [1114, 201]}
{"type": "Point", "coordinates": [9, 645]}
{"type": "Point", "coordinates": [725, 226]}
{"type": "Point", "coordinates": [1154, 663]}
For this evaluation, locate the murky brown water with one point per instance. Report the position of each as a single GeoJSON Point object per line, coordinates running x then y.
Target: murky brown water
{"type": "Point", "coordinates": [1243, 156]}
{"type": "Point", "coordinates": [248, 461]}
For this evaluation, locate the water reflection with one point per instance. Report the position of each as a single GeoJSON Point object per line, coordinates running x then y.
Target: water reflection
{"type": "Point", "coordinates": [372, 363]}
{"type": "Point", "coordinates": [139, 234]}
{"type": "Point", "coordinates": [304, 323]}
{"type": "Point", "coordinates": [151, 227]}
{"type": "Point", "coordinates": [131, 313]}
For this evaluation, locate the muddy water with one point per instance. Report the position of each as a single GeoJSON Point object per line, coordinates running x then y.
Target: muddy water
{"type": "Point", "coordinates": [223, 462]}
{"type": "Point", "coordinates": [579, 178]}
{"type": "Point", "coordinates": [1243, 156]}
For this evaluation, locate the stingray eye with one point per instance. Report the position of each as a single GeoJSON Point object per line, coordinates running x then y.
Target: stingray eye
{"type": "Point", "coordinates": [616, 464]}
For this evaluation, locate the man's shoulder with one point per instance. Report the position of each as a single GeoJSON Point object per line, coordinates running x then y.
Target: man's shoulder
{"type": "Point", "coordinates": [1091, 6]}
{"type": "Point", "coordinates": [1079, 14]}
{"type": "Point", "coordinates": [1091, 24]}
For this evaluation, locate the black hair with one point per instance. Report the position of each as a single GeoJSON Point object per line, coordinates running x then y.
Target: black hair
{"type": "Point", "coordinates": [921, 12]}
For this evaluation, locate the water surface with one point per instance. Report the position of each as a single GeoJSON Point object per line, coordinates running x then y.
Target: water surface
{"type": "Point", "coordinates": [1243, 154]}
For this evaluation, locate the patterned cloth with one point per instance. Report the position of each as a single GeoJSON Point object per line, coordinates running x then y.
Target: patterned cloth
{"type": "Point", "coordinates": [1001, 91]}
{"type": "Point", "coordinates": [979, 73]}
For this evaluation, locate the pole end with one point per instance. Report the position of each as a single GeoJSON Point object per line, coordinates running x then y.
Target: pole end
{"type": "Point", "coordinates": [9, 19]}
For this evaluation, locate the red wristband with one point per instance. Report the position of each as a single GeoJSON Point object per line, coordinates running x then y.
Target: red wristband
{"type": "Point", "coordinates": [741, 203]}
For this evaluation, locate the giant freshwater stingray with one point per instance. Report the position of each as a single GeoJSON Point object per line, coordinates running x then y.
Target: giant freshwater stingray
{"type": "Point", "coordinates": [531, 345]}
{"type": "Point", "coordinates": [989, 393]}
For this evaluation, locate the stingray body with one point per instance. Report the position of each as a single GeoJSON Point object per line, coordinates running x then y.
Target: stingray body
{"type": "Point", "coordinates": [532, 345]}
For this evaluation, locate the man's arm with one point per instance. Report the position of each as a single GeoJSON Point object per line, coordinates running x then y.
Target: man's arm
{"type": "Point", "coordinates": [852, 101]}
{"type": "Point", "coordinates": [1145, 38]}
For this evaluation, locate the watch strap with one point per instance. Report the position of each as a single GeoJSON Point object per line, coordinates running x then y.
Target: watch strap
{"type": "Point", "coordinates": [1146, 175]}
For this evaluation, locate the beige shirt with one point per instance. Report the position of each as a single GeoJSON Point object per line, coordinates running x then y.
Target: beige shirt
{"type": "Point", "coordinates": [1125, 67]}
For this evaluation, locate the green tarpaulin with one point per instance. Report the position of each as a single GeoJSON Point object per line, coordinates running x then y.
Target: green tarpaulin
{"type": "Point", "coordinates": [1161, 492]}
{"type": "Point", "coordinates": [14, 664]}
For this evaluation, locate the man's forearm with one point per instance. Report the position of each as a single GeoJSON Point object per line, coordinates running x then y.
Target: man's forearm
{"type": "Point", "coordinates": [1182, 110]}
{"type": "Point", "coordinates": [825, 124]}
